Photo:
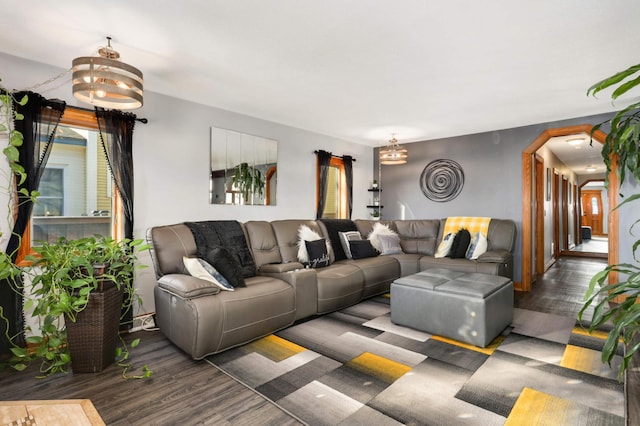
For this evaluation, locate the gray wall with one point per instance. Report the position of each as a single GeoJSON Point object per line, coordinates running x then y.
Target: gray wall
{"type": "Point", "coordinates": [492, 164]}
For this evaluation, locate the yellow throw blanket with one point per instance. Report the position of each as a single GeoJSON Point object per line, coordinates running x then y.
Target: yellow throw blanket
{"type": "Point", "coordinates": [471, 224]}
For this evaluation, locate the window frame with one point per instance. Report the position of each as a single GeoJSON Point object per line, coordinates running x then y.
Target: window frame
{"type": "Point", "coordinates": [343, 211]}
{"type": "Point", "coordinates": [84, 118]}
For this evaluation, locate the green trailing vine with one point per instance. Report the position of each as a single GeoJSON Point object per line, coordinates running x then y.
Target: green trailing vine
{"type": "Point", "coordinates": [63, 275]}
{"type": "Point", "coordinates": [621, 148]}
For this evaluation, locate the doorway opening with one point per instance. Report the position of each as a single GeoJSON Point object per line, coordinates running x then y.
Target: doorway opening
{"type": "Point", "coordinates": [531, 208]}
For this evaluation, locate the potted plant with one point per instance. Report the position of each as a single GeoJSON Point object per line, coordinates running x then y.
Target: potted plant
{"type": "Point", "coordinates": [248, 180]}
{"type": "Point", "coordinates": [374, 184]}
{"type": "Point", "coordinates": [621, 149]}
{"type": "Point", "coordinates": [375, 215]}
{"type": "Point", "coordinates": [78, 290]}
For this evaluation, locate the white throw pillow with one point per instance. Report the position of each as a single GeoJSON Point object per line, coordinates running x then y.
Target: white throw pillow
{"type": "Point", "coordinates": [200, 268]}
{"type": "Point", "coordinates": [307, 234]}
{"type": "Point", "coordinates": [345, 237]}
{"type": "Point", "coordinates": [390, 244]}
{"type": "Point", "coordinates": [477, 247]}
{"type": "Point", "coordinates": [445, 246]}
{"type": "Point", "coordinates": [374, 236]}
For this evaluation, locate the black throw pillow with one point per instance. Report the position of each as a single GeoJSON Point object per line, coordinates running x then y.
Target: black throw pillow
{"type": "Point", "coordinates": [318, 256]}
{"type": "Point", "coordinates": [361, 249]}
{"type": "Point", "coordinates": [227, 264]}
{"type": "Point", "coordinates": [460, 244]}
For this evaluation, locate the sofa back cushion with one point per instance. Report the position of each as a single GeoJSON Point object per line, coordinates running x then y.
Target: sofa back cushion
{"type": "Point", "coordinates": [502, 235]}
{"type": "Point", "coordinates": [263, 243]}
{"type": "Point", "coordinates": [170, 243]}
{"type": "Point", "coordinates": [365, 226]}
{"type": "Point", "coordinates": [286, 232]}
{"type": "Point", "coordinates": [418, 236]}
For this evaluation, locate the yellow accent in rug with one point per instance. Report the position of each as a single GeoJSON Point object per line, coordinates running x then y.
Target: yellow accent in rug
{"type": "Point", "coordinates": [275, 348]}
{"type": "Point", "coordinates": [581, 359]}
{"type": "Point", "coordinates": [489, 350]}
{"type": "Point", "coordinates": [382, 368]}
{"type": "Point", "coordinates": [595, 333]}
{"type": "Point", "coordinates": [537, 408]}
{"type": "Point", "coordinates": [471, 224]}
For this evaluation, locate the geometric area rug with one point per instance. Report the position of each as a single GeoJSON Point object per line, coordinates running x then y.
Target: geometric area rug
{"type": "Point", "coordinates": [355, 366]}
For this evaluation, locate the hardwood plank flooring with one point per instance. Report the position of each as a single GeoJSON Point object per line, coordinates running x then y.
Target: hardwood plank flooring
{"type": "Point", "coordinates": [184, 391]}
{"type": "Point", "coordinates": [181, 391]}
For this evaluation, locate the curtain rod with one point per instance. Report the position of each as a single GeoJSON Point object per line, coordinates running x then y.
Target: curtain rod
{"type": "Point", "coordinates": [141, 120]}
{"type": "Point", "coordinates": [336, 156]}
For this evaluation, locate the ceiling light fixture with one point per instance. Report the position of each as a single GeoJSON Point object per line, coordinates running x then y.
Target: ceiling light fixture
{"type": "Point", "coordinates": [107, 82]}
{"type": "Point", "coordinates": [575, 141]}
{"type": "Point", "coordinates": [393, 153]}
{"type": "Point", "coordinates": [590, 168]}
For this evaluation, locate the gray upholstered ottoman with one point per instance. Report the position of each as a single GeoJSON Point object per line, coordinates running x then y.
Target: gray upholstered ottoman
{"type": "Point", "coordinates": [470, 307]}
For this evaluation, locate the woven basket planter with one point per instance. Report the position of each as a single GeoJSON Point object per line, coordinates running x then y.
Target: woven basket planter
{"type": "Point", "coordinates": [93, 337]}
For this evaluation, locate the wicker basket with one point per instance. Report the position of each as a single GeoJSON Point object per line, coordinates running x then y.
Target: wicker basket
{"type": "Point", "coordinates": [94, 335]}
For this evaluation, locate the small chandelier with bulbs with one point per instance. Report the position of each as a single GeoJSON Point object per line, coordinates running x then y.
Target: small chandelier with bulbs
{"type": "Point", "coordinates": [107, 82]}
{"type": "Point", "coordinates": [393, 153]}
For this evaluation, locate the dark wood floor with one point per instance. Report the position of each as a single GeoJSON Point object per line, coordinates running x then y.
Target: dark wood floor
{"type": "Point", "coordinates": [183, 391]}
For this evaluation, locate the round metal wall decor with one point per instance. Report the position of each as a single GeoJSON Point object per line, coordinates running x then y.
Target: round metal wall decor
{"type": "Point", "coordinates": [442, 180]}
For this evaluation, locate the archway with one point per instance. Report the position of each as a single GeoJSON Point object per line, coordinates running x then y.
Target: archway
{"type": "Point", "coordinates": [528, 162]}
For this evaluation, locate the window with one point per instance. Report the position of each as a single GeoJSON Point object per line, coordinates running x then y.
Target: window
{"type": "Point", "coordinates": [76, 197]}
{"type": "Point", "coordinates": [336, 203]}
{"type": "Point", "coordinates": [51, 199]}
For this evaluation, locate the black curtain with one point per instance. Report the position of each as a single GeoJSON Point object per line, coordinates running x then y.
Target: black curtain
{"type": "Point", "coordinates": [347, 160]}
{"type": "Point", "coordinates": [324, 159]}
{"type": "Point", "coordinates": [116, 135]}
{"type": "Point", "coordinates": [38, 126]}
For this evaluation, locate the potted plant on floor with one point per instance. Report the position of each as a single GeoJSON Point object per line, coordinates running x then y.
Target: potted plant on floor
{"type": "Point", "coordinates": [76, 294]}
{"type": "Point", "coordinates": [621, 149]}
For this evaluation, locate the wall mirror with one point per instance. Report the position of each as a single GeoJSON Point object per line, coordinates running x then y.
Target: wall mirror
{"type": "Point", "coordinates": [243, 168]}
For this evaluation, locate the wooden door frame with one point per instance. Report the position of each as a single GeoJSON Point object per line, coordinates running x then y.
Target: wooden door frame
{"type": "Point", "coordinates": [539, 213]}
{"type": "Point", "coordinates": [555, 208]}
{"type": "Point", "coordinates": [564, 208]}
{"type": "Point", "coordinates": [527, 198]}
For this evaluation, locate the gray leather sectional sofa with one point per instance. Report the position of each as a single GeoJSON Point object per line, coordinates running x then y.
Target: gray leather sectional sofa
{"type": "Point", "coordinates": [200, 319]}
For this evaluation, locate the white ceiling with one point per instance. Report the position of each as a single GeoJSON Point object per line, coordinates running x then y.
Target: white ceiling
{"type": "Point", "coordinates": [359, 70]}
{"type": "Point", "coordinates": [582, 156]}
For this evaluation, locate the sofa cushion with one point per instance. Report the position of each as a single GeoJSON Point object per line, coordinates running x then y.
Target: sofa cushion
{"type": "Point", "coordinates": [418, 236]}
{"type": "Point", "coordinates": [223, 233]}
{"type": "Point", "coordinates": [460, 244]}
{"type": "Point", "coordinates": [378, 230]}
{"type": "Point", "coordinates": [361, 249]}
{"type": "Point", "coordinates": [445, 246]}
{"type": "Point", "coordinates": [227, 263]}
{"type": "Point", "coordinates": [345, 240]}
{"type": "Point", "coordinates": [200, 268]}
{"type": "Point", "coordinates": [318, 253]}
{"type": "Point", "coordinates": [306, 234]}
{"type": "Point", "coordinates": [390, 244]}
{"type": "Point", "coordinates": [332, 227]}
{"type": "Point", "coordinates": [477, 247]}
{"type": "Point", "coordinates": [263, 242]}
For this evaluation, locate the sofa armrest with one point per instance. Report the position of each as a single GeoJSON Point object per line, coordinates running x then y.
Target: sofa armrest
{"type": "Point", "coordinates": [495, 256]}
{"type": "Point", "coordinates": [276, 268]}
{"type": "Point", "coordinates": [304, 281]}
{"type": "Point", "coordinates": [186, 286]}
